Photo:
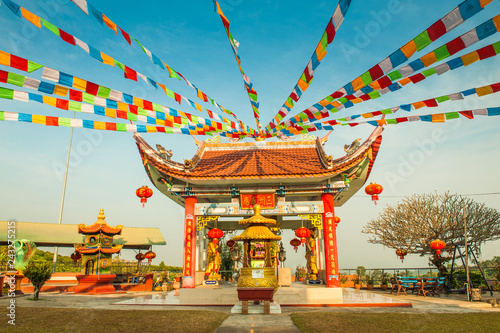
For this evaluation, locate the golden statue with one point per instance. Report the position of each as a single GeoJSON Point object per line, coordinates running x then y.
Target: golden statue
{"type": "Point", "coordinates": [213, 261]}
{"type": "Point", "coordinates": [312, 258]}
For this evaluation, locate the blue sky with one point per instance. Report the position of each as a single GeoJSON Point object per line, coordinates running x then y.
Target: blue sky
{"type": "Point", "coordinates": [276, 39]}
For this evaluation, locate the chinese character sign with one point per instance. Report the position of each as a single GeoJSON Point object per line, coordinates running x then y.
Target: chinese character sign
{"type": "Point", "coordinates": [188, 240]}
{"type": "Point", "coordinates": [265, 200]}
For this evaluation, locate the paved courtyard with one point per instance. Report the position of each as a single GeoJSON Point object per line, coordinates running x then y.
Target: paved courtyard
{"type": "Point", "coordinates": [263, 323]}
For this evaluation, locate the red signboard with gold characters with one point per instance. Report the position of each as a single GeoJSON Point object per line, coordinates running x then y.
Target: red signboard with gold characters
{"type": "Point", "coordinates": [265, 200]}
{"type": "Point", "coordinates": [188, 248]}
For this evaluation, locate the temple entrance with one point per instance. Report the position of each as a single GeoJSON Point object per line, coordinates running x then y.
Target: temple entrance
{"type": "Point", "coordinates": [299, 188]}
{"type": "Point", "coordinates": [89, 267]}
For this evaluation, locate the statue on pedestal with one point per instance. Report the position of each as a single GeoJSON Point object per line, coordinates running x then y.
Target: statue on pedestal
{"type": "Point", "coordinates": [213, 261]}
{"type": "Point", "coordinates": [312, 258]}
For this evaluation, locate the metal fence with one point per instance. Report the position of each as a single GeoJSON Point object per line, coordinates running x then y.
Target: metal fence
{"type": "Point", "coordinates": [364, 273]}
{"type": "Point", "coordinates": [116, 268]}
{"type": "Point", "coordinates": [143, 268]}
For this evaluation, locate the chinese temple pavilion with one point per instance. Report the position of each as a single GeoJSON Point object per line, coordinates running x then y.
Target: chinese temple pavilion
{"type": "Point", "coordinates": [288, 179]}
{"type": "Point", "coordinates": [98, 247]}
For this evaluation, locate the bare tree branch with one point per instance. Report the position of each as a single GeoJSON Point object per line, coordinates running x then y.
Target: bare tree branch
{"type": "Point", "coordinates": [416, 221]}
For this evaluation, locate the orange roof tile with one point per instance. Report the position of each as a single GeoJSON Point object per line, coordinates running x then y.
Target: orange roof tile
{"type": "Point", "coordinates": [100, 226]}
{"type": "Point", "coordinates": [259, 160]}
{"type": "Point", "coordinates": [91, 250]}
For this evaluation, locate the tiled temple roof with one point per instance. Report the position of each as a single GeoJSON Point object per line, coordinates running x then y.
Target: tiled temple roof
{"type": "Point", "coordinates": [260, 160]}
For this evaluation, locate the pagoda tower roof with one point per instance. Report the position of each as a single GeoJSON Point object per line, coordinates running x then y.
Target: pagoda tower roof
{"type": "Point", "coordinates": [81, 248]}
{"type": "Point", "coordinates": [100, 226]}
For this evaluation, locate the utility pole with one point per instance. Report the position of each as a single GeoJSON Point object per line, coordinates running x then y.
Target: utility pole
{"type": "Point", "coordinates": [59, 220]}
{"type": "Point", "coordinates": [466, 256]}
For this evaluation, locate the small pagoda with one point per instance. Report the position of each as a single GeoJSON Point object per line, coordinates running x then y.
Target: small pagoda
{"type": "Point", "coordinates": [96, 252]}
{"type": "Point", "coordinates": [257, 279]}
{"type": "Point", "coordinates": [257, 231]}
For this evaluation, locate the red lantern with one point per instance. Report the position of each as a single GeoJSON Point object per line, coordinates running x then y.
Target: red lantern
{"type": "Point", "coordinates": [401, 253]}
{"type": "Point", "coordinates": [438, 245]}
{"type": "Point", "coordinates": [144, 193]}
{"type": "Point", "coordinates": [336, 219]}
{"type": "Point", "coordinates": [150, 255]}
{"type": "Point", "coordinates": [76, 256]}
{"type": "Point", "coordinates": [215, 233]}
{"type": "Point", "coordinates": [295, 243]}
{"type": "Point", "coordinates": [230, 243]}
{"type": "Point", "coordinates": [302, 233]}
{"type": "Point", "coordinates": [140, 256]}
{"type": "Point", "coordinates": [374, 190]}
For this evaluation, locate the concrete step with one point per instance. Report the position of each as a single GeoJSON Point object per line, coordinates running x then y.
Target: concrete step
{"type": "Point", "coordinates": [256, 309]}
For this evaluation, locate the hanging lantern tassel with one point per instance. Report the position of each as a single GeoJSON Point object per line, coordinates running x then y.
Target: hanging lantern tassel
{"type": "Point", "coordinates": [144, 193]}
{"type": "Point", "coordinates": [401, 253]}
{"type": "Point", "coordinates": [438, 245]}
{"type": "Point", "coordinates": [374, 190]}
{"type": "Point", "coordinates": [295, 243]}
{"type": "Point", "coordinates": [302, 233]}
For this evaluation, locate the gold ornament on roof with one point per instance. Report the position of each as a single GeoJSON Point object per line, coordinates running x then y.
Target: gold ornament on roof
{"type": "Point", "coordinates": [257, 218]}
{"type": "Point", "coordinates": [215, 139]}
{"type": "Point", "coordinates": [257, 227]}
{"type": "Point", "coordinates": [307, 137]}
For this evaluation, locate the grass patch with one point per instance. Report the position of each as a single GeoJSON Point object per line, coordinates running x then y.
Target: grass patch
{"type": "Point", "coordinates": [58, 320]}
{"type": "Point", "coordinates": [319, 322]}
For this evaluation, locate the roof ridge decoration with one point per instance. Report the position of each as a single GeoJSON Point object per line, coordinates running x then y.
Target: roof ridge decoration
{"type": "Point", "coordinates": [153, 154]}
{"type": "Point", "coordinates": [325, 138]}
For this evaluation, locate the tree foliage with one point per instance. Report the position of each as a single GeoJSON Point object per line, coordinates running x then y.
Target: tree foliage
{"type": "Point", "coordinates": [226, 261]}
{"type": "Point", "coordinates": [416, 221]}
{"type": "Point", "coordinates": [38, 273]}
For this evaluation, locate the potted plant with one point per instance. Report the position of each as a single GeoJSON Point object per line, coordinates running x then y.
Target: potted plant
{"type": "Point", "coordinates": [300, 273]}
{"type": "Point", "coordinates": [357, 284]}
{"type": "Point", "coordinates": [384, 281]}
{"type": "Point", "coordinates": [369, 281]}
{"type": "Point", "coordinates": [343, 280]}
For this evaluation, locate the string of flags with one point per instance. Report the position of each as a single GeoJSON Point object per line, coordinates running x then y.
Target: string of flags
{"type": "Point", "coordinates": [433, 118]}
{"type": "Point", "coordinates": [390, 75]}
{"type": "Point", "coordinates": [371, 79]}
{"type": "Point", "coordinates": [431, 102]}
{"type": "Point", "coordinates": [100, 17]}
{"type": "Point", "coordinates": [104, 126]}
{"type": "Point", "coordinates": [129, 73]}
{"type": "Point", "coordinates": [252, 94]}
{"type": "Point", "coordinates": [89, 92]}
{"type": "Point", "coordinates": [350, 100]}
{"type": "Point", "coordinates": [106, 107]}
{"type": "Point", "coordinates": [319, 53]}
{"type": "Point", "coordinates": [132, 114]}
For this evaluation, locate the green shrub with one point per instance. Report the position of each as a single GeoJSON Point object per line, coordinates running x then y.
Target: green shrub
{"type": "Point", "coordinates": [38, 273]}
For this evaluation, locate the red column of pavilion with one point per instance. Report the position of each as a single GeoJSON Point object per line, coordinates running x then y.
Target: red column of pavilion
{"type": "Point", "coordinates": [330, 238]}
{"type": "Point", "coordinates": [189, 262]}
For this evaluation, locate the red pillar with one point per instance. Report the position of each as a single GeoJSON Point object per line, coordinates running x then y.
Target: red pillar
{"type": "Point", "coordinates": [330, 237]}
{"type": "Point", "coordinates": [189, 262]}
